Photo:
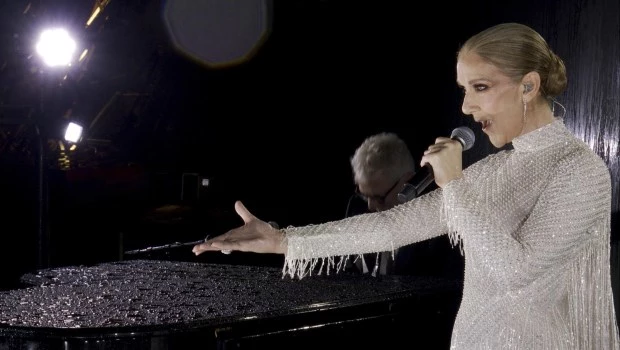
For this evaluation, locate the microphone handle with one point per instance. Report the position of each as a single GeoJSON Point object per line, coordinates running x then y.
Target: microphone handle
{"type": "Point", "coordinates": [417, 184]}
{"type": "Point", "coordinates": [427, 180]}
{"type": "Point", "coordinates": [425, 176]}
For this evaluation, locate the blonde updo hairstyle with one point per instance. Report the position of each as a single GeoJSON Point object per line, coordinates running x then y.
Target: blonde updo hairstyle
{"type": "Point", "coordinates": [517, 49]}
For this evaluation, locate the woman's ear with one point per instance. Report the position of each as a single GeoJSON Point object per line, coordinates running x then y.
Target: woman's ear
{"type": "Point", "coordinates": [531, 85]}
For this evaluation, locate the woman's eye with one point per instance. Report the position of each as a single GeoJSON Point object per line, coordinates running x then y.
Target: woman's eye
{"type": "Point", "coordinates": [480, 87]}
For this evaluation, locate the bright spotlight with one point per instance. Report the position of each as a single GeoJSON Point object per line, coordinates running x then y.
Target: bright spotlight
{"type": "Point", "coordinates": [73, 132]}
{"type": "Point", "coordinates": [56, 47]}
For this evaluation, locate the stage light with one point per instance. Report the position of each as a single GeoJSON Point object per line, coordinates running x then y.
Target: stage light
{"type": "Point", "coordinates": [56, 47]}
{"type": "Point", "coordinates": [73, 133]}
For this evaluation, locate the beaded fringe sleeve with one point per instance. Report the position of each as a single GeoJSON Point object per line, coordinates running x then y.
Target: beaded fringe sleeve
{"type": "Point", "coordinates": [534, 226]}
{"type": "Point", "coordinates": [327, 247]}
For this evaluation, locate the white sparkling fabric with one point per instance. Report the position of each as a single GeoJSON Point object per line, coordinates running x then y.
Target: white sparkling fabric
{"type": "Point", "coordinates": [534, 226]}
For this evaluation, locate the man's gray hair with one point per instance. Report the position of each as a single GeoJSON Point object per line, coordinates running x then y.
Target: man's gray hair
{"type": "Point", "coordinates": [384, 153]}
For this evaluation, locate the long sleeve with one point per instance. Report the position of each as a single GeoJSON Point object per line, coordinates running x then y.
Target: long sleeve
{"type": "Point", "coordinates": [330, 244]}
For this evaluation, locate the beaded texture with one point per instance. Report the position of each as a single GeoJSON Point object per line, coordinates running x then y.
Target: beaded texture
{"type": "Point", "coordinates": [534, 226]}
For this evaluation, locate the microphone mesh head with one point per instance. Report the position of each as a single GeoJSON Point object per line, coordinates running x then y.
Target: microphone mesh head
{"type": "Point", "coordinates": [465, 136]}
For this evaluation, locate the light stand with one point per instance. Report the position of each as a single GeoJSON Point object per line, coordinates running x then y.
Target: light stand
{"type": "Point", "coordinates": [56, 48]}
{"type": "Point", "coordinates": [43, 256]}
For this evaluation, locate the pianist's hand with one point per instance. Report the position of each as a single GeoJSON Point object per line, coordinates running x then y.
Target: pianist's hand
{"type": "Point", "coordinates": [254, 236]}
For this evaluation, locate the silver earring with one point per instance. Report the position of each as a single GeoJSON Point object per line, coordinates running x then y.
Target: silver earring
{"type": "Point", "coordinates": [524, 111]}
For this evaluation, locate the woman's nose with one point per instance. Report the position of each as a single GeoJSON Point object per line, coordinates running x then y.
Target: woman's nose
{"type": "Point", "coordinates": [467, 106]}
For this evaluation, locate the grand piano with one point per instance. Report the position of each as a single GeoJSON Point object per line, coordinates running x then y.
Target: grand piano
{"type": "Point", "coordinates": [159, 304]}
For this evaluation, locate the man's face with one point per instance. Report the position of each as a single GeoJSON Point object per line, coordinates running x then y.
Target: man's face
{"type": "Point", "coordinates": [380, 192]}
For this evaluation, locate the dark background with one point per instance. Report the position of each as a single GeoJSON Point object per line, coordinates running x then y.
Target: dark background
{"type": "Point", "coordinates": [275, 130]}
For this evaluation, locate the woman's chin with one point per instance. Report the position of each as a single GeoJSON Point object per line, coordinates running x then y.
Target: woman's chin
{"type": "Point", "coordinates": [496, 142]}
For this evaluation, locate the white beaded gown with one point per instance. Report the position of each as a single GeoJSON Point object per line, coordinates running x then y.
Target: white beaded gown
{"type": "Point", "coordinates": [533, 224]}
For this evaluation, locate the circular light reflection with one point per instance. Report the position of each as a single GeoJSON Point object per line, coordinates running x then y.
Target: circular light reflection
{"type": "Point", "coordinates": [218, 32]}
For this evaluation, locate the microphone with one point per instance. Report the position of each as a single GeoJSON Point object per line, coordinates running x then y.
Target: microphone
{"type": "Point", "coordinates": [425, 176]}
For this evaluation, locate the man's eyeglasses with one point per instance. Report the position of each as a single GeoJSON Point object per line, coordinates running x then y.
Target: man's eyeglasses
{"type": "Point", "coordinates": [378, 199]}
